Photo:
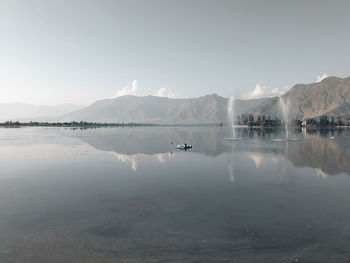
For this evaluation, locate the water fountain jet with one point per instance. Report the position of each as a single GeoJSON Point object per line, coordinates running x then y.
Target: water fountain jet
{"type": "Point", "coordinates": [285, 113]}
{"type": "Point", "coordinates": [231, 114]}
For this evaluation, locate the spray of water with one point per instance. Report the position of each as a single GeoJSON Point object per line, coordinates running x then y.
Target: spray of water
{"type": "Point", "coordinates": [231, 120]}
{"type": "Point", "coordinates": [231, 114]}
{"type": "Point", "coordinates": [285, 113]}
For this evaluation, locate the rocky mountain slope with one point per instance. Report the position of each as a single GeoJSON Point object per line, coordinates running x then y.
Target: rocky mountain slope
{"type": "Point", "coordinates": [331, 96]}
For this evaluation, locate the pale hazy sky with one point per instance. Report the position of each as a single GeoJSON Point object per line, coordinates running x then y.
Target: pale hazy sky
{"type": "Point", "coordinates": [58, 51]}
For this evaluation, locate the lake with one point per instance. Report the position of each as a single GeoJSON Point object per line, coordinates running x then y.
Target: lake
{"type": "Point", "coordinates": [127, 195]}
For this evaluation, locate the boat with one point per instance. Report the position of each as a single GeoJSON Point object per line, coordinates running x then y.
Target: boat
{"type": "Point", "coordinates": [184, 146]}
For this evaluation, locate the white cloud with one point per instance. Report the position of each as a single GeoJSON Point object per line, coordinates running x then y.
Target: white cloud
{"type": "Point", "coordinates": [163, 92]}
{"type": "Point", "coordinates": [128, 90]}
{"type": "Point", "coordinates": [263, 92]}
{"type": "Point", "coordinates": [320, 78]}
{"type": "Point", "coordinates": [133, 90]}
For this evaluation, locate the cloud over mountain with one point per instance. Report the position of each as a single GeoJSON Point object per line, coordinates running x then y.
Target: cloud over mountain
{"type": "Point", "coordinates": [132, 90]}
{"type": "Point", "coordinates": [262, 92]}
{"type": "Point", "coordinates": [321, 77]}
{"type": "Point", "coordinates": [163, 92]}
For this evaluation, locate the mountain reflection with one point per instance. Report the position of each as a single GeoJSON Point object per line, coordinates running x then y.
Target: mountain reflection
{"type": "Point", "coordinates": [330, 156]}
{"type": "Point", "coordinates": [328, 151]}
{"type": "Point", "coordinates": [158, 140]}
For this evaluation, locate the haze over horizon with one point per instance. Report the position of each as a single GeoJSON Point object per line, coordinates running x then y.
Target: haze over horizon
{"type": "Point", "coordinates": [54, 52]}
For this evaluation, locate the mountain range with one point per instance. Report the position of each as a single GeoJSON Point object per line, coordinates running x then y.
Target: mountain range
{"type": "Point", "coordinates": [159, 110]}
{"type": "Point", "coordinates": [331, 96]}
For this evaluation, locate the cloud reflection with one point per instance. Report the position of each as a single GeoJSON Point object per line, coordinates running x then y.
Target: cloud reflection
{"type": "Point", "coordinates": [128, 159]}
{"type": "Point", "coordinates": [164, 157]}
{"type": "Point", "coordinates": [131, 160]}
{"type": "Point", "coordinates": [257, 159]}
{"type": "Point", "coordinates": [321, 174]}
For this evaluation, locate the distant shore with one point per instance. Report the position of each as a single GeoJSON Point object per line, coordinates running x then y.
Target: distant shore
{"type": "Point", "coordinates": [74, 124]}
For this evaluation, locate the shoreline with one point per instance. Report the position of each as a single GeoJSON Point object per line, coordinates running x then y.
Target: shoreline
{"type": "Point", "coordinates": [106, 125]}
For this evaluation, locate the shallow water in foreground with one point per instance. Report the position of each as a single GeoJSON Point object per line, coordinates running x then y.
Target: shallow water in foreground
{"type": "Point", "coordinates": [126, 195]}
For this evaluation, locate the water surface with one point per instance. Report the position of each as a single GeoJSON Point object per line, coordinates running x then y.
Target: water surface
{"type": "Point", "coordinates": [126, 194]}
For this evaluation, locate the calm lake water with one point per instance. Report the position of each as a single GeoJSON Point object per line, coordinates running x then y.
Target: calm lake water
{"type": "Point", "coordinates": [127, 195]}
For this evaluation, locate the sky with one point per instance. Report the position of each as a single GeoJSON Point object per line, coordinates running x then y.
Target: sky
{"type": "Point", "coordinates": [79, 51]}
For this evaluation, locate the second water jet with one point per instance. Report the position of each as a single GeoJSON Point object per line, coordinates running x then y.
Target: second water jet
{"type": "Point", "coordinates": [284, 106]}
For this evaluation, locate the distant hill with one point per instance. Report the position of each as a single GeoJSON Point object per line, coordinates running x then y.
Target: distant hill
{"type": "Point", "coordinates": [331, 96]}
{"type": "Point", "coordinates": [159, 110]}
{"type": "Point", "coordinates": [28, 112]}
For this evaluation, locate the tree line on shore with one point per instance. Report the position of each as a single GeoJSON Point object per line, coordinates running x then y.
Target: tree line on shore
{"type": "Point", "coordinates": [242, 119]}
{"type": "Point", "coordinates": [81, 124]}
{"type": "Point", "coordinates": [268, 121]}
